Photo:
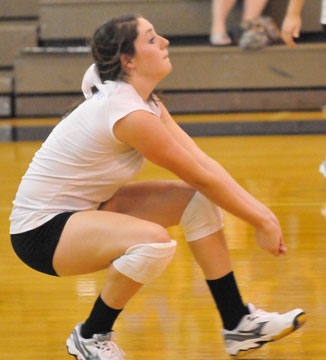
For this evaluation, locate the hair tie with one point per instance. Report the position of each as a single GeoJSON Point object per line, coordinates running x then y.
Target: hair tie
{"type": "Point", "coordinates": [91, 78]}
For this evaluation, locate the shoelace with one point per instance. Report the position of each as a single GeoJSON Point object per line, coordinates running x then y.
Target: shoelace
{"type": "Point", "coordinates": [258, 312]}
{"type": "Point", "coordinates": [111, 347]}
{"type": "Point", "coordinates": [262, 312]}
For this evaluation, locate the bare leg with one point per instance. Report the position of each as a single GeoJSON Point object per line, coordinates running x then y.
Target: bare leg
{"type": "Point", "coordinates": [119, 289]}
{"type": "Point", "coordinates": [253, 9]}
{"type": "Point", "coordinates": [138, 213]}
{"type": "Point", "coordinates": [161, 202]}
{"type": "Point", "coordinates": [220, 12]}
{"type": "Point", "coordinates": [212, 255]}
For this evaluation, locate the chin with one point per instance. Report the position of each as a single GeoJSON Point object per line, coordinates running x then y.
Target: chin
{"type": "Point", "coordinates": [165, 73]}
{"type": "Point", "coordinates": [168, 69]}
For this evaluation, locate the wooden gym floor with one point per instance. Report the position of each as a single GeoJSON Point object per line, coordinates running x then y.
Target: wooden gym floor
{"type": "Point", "coordinates": [175, 318]}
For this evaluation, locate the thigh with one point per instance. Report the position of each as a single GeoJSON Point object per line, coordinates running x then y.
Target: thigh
{"type": "Point", "coordinates": [138, 213]}
{"type": "Point", "coordinates": [36, 247]}
{"type": "Point", "coordinates": [161, 202]}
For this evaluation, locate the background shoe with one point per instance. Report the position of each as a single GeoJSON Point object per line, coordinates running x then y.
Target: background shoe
{"type": "Point", "coordinates": [260, 327]}
{"type": "Point", "coordinates": [259, 33]}
{"type": "Point", "coordinates": [322, 168]}
{"type": "Point", "coordinates": [220, 40]}
{"type": "Point", "coordinates": [99, 347]}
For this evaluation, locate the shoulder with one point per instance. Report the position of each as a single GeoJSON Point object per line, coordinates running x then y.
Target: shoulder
{"type": "Point", "coordinates": [124, 95]}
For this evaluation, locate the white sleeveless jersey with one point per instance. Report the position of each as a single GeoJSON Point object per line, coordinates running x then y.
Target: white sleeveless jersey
{"type": "Point", "coordinates": [81, 163]}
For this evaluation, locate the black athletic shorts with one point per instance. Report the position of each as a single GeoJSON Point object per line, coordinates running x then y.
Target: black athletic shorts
{"type": "Point", "coordinates": [36, 247]}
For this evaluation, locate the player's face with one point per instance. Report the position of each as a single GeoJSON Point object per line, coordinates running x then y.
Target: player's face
{"type": "Point", "coordinates": [151, 57]}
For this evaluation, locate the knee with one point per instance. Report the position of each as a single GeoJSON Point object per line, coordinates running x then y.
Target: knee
{"type": "Point", "coordinates": [155, 233]}
{"type": "Point", "coordinates": [201, 218]}
{"type": "Point", "coordinates": [146, 261]}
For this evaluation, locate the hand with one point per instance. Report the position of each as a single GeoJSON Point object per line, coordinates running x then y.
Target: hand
{"type": "Point", "coordinates": [291, 29]}
{"type": "Point", "coordinates": [270, 238]}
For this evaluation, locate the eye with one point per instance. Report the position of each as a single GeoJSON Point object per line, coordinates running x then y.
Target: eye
{"type": "Point", "coordinates": [152, 40]}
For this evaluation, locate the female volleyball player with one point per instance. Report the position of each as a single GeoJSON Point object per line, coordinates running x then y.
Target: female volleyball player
{"type": "Point", "coordinates": [76, 211]}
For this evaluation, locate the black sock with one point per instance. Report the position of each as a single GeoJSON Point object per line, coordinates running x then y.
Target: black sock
{"type": "Point", "coordinates": [100, 320]}
{"type": "Point", "coordinates": [228, 300]}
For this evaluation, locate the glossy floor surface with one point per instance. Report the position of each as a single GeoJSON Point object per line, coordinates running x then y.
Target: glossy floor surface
{"type": "Point", "coordinates": [175, 318]}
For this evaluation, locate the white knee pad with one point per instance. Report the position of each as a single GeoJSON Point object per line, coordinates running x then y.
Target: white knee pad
{"type": "Point", "coordinates": [145, 262]}
{"type": "Point", "coordinates": [201, 218]}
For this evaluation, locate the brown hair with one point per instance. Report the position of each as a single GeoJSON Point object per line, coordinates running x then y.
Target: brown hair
{"type": "Point", "coordinates": [112, 39]}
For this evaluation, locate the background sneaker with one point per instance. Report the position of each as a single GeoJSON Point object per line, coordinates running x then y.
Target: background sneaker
{"type": "Point", "coordinates": [260, 327]}
{"type": "Point", "coordinates": [259, 33]}
{"type": "Point", "coordinates": [99, 347]}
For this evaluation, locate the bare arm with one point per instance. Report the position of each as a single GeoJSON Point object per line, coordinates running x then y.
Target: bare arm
{"type": "Point", "coordinates": [268, 233]}
{"type": "Point", "coordinates": [164, 143]}
{"type": "Point", "coordinates": [291, 25]}
{"type": "Point", "coordinates": [206, 161]}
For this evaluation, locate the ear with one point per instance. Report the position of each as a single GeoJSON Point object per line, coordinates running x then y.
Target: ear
{"type": "Point", "coordinates": [127, 62]}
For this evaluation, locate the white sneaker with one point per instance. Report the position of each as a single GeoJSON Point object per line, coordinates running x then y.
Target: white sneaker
{"type": "Point", "coordinates": [260, 327]}
{"type": "Point", "coordinates": [99, 347]}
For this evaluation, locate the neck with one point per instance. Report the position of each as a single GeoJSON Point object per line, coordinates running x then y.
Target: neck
{"type": "Point", "coordinates": [143, 86]}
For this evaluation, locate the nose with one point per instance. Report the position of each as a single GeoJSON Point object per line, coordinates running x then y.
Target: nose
{"type": "Point", "coordinates": [164, 42]}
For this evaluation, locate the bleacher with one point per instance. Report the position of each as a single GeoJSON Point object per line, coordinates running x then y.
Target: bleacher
{"type": "Point", "coordinates": [44, 53]}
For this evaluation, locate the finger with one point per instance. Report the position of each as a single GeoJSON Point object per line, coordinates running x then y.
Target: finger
{"type": "Point", "coordinates": [283, 251]}
{"type": "Point", "coordinates": [276, 253]}
{"type": "Point", "coordinates": [288, 39]}
{"type": "Point", "coordinates": [296, 30]}
{"type": "Point", "coordinates": [283, 248]}
{"type": "Point", "coordinates": [291, 42]}
{"type": "Point", "coordinates": [274, 250]}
